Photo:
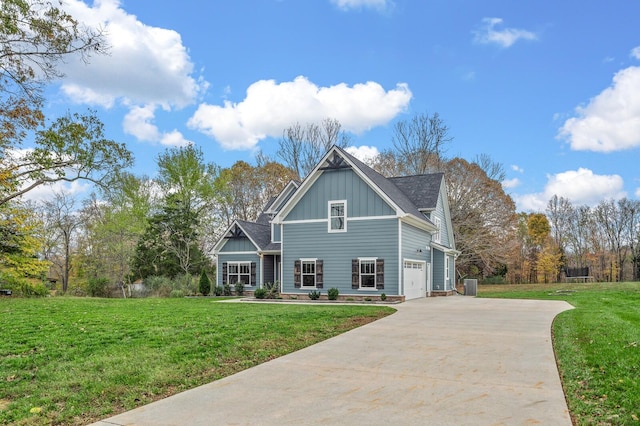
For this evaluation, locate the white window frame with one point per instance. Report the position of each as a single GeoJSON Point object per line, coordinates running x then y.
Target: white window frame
{"type": "Point", "coordinates": [238, 273]}
{"type": "Point", "coordinates": [438, 223]}
{"type": "Point", "coordinates": [304, 262]}
{"type": "Point", "coordinates": [368, 260]}
{"type": "Point", "coordinates": [446, 267]}
{"type": "Point", "coordinates": [330, 217]}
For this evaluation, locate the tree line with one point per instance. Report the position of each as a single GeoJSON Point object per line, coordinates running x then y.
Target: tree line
{"type": "Point", "coordinates": [137, 227]}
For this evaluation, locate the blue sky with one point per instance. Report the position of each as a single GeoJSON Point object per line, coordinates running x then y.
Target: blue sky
{"type": "Point", "coordinates": [549, 89]}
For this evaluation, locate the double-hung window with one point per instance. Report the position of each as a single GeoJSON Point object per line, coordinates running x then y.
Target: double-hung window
{"type": "Point", "coordinates": [239, 272]}
{"type": "Point", "coordinates": [368, 273]}
{"type": "Point", "coordinates": [338, 216]}
{"type": "Point", "coordinates": [308, 273]}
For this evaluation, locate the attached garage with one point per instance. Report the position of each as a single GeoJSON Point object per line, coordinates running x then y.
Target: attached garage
{"type": "Point", "coordinates": [415, 279]}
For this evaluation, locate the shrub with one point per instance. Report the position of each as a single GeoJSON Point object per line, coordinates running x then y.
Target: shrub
{"type": "Point", "coordinates": [98, 287]}
{"type": "Point", "coordinates": [314, 295]}
{"type": "Point", "coordinates": [239, 287]}
{"type": "Point", "coordinates": [204, 285]}
{"type": "Point", "coordinates": [218, 290]}
{"type": "Point", "coordinates": [260, 293]}
{"type": "Point", "coordinates": [226, 290]}
{"type": "Point", "coordinates": [333, 293]}
{"type": "Point", "coordinates": [383, 297]}
{"type": "Point", "coordinates": [176, 293]}
{"type": "Point", "coordinates": [33, 290]}
{"type": "Point", "coordinates": [22, 287]}
{"type": "Point", "coordinates": [186, 283]}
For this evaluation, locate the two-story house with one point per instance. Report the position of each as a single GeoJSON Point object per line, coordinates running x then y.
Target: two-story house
{"type": "Point", "coordinates": [346, 226]}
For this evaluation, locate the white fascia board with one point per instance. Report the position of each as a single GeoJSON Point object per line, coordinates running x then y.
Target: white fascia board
{"type": "Point", "coordinates": [277, 201]}
{"type": "Point", "coordinates": [447, 212]}
{"type": "Point", "coordinates": [418, 223]}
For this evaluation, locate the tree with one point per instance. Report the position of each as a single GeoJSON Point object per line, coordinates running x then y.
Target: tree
{"type": "Point", "coordinates": [483, 218]}
{"type": "Point", "coordinates": [538, 230]}
{"type": "Point", "coordinates": [20, 240]}
{"type": "Point", "coordinates": [111, 228]}
{"type": "Point", "coordinates": [61, 223]}
{"type": "Point", "coordinates": [35, 37]}
{"type": "Point", "coordinates": [72, 148]}
{"type": "Point", "coordinates": [204, 286]}
{"type": "Point", "coordinates": [300, 148]}
{"type": "Point", "coordinates": [170, 243]}
{"type": "Point", "coordinates": [420, 143]}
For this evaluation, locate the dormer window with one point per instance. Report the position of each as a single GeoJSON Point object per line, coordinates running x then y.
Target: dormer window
{"type": "Point", "coordinates": [338, 216]}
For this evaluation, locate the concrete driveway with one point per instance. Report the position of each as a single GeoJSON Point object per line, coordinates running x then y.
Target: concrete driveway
{"type": "Point", "coordinates": [437, 361]}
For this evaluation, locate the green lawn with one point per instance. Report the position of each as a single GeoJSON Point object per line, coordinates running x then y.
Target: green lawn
{"type": "Point", "coordinates": [597, 346]}
{"type": "Point", "coordinates": [74, 361]}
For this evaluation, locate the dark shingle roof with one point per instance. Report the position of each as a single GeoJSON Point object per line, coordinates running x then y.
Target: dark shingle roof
{"type": "Point", "coordinates": [422, 190]}
{"type": "Point", "coordinates": [259, 233]}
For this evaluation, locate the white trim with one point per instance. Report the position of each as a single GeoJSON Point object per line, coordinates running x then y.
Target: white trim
{"type": "Point", "coordinates": [223, 240]}
{"type": "Point", "coordinates": [344, 216]}
{"type": "Point", "coordinates": [354, 218]}
{"type": "Point", "coordinates": [233, 253]}
{"type": "Point", "coordinates": [277, 201]}
{"type": "Point", "coordinates": [238, 263]}
{"type": "Point", "coordinates": [302, 274]}
{"type": "Point", "coordinates": [375, 273]}
{"type": "Point", "coordinates": [400, 271]}
{"type": "Point", "coordinates": [324, 219]}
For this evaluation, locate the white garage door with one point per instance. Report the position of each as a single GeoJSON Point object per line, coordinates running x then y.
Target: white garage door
{"type": "Point", "coordinates": [415, 279]}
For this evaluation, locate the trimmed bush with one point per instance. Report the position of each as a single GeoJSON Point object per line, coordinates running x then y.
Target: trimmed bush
{"type": "Point", "coordinates": [218, 290]}
{"type": "Point", "coordinates": [205, 283]}
{"type": "Point", "coordinates": [260, 293]}
{"type": "Point", "coordinates": [383, 297]}
{"type": "Point", "coordinates": [333, 293]}
{"type": "Point", "coordinates": [314, 295]}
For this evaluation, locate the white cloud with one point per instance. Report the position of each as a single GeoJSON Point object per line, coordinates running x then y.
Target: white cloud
{"type": "Point", "coordinates": [611, 120]}
{"type": "Point", "coordinates": [635, 52]}
{"type": "Point", "coordinates": [47, 192]}
{"type": "Point", "coordinates": [357, 4]}
{"type": "Point", "coordinates": [139, 123]}
{"type": "Point", "coordinates": [363, 153]}
{"type": "Point", "coordinates": [487, 34]}
{"type": "Point", "coordinates": [510, 183]}
{"type": "Point", "coordinates": [580, 186]}
{"type": "Point", "coordinates": [271, 107]}
{"type": "Point", "coordinates": [145, 65]}
{"type": "Point", "coordinates": [517, 168]}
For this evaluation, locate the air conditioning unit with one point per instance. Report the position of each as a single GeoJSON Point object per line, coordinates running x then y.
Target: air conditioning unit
{"type": "Point", "coordinates": [470, 287]}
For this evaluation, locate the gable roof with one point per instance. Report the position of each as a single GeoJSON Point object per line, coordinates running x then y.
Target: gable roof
{"type": "Point", "coordinates": [396, 197]}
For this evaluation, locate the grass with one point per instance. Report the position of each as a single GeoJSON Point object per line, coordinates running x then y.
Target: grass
{"type": "Point", "coordinates": [74, 361]}
{"type": "Point", "coordinates": [597, 347]}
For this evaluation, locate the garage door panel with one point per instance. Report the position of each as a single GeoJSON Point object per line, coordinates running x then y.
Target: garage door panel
{"type": "Point", "coordinates": [415, 279]}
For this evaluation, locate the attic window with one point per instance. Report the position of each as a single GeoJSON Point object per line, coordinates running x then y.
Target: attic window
{"type": "Point", "coordinates": [338, 216]}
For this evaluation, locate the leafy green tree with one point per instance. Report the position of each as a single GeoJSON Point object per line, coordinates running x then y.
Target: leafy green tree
{"type": "Point", "coordinates": [21, 241]}
{"type": "Point", "coordinates": [72, 148]}
{"type": "Point", "coordinates": [35, 37]}
{"type": "Point", "coordinates": [170, 245]}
